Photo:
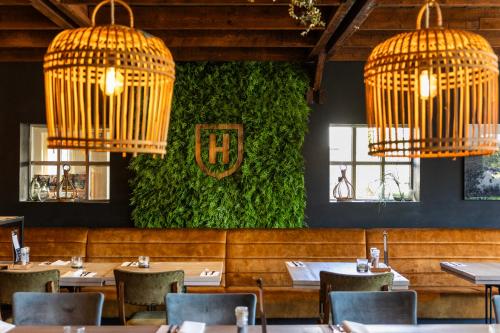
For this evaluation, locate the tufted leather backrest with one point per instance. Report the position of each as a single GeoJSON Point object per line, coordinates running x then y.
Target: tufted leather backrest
{"type": "Point", "coordinates": [261, 252]}
{"type": "Point", "coordinates": [416, 253]}
{"type": "Point", "coordinates": [120, 244]}
{"type": "Point", "coordinates": [47, 243]}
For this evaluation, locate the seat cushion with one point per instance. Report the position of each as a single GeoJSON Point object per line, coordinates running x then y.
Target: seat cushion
{"type": "Point", "coordinates": [151, 318]}
{"type": "Point", "coordinates": [285, 302]}
{"type": "Point", "coordinates": [262, 253]}
{"type": "Point", "coordinates": [47, 243]}
{"type": "Point", "coordinates": [126, 244]}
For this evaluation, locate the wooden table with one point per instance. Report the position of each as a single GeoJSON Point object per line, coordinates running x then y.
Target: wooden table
{"type": "Point", "coordinates": [479, 273]}
{"type": "Point", "coordinates": [308, 276]}
{"type": "Point", "coordinates": [446, 328]}
{"type": "Point", "coordinates": [104, 276]}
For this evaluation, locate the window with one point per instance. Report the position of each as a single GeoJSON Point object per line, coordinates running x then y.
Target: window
{"type": "Point", "coordinates": [373, 178]}
{"type": "Point", "coordinates": [89, 171]}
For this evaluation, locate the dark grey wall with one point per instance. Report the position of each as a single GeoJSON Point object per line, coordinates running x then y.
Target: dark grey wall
{"type": "Point", "coordinates": [442, 205]}
{"type": "Point", "coordinates": [441, 180]}
{"type": "Point", "coordinates": [22, 101]}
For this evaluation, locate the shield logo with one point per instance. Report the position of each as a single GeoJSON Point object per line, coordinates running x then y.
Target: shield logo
{"type": "Point", "coordinates": [215, 150]}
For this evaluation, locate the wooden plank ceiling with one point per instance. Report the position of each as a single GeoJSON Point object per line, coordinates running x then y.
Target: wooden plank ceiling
{"type": "Point", "coordinates": [223, 30]}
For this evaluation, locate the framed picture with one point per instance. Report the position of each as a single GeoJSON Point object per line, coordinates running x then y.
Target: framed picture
{"type": "Point", "coordinates": [482, 177]}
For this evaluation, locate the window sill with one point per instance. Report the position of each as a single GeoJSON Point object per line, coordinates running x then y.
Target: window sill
{"type": "Point", "coordinates": [67, 202]}
{"type": "Point", "coordinates": [376, 201]}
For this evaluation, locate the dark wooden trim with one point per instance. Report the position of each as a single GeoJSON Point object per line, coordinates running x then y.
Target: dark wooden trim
{"type": "Point", "coordinates": [245, 3]}
{"type": "Point", "coordinates": [315, 93]}
{"type": "Point", "coordinates": [332, 26]}
{"type": "Point", "coordinates": [352, 22]}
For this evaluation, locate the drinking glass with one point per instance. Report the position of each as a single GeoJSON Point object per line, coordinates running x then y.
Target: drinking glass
{"type": "Point", "coordinates": [76, 262]}
{"type": "Point", "coordinates": [143, 261]}
{"type": "Point", "coordinates": [25, 255]}
{"type": "Point", "coordinates": [362, 265]}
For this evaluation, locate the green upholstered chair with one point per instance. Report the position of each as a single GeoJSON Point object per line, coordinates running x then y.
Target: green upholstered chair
{"type": "Point", "coordinates": [16, 281]}
{"type": "Point", "coordinates": [339, 282]}
{"type": "Point", "coordinates": [374, 307]}
{"type": "Point", "coordinates": [211, 309]}
{"type": "Point", "coordinates": [147, 289]}
{"type": "Point", "coordinates": [58, 309]}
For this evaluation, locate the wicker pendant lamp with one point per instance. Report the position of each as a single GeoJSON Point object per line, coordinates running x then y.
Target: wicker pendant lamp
{"type": "Point", "coordinates": [108, 88]}
{"type": "Point", "coordinates": [432, 93]}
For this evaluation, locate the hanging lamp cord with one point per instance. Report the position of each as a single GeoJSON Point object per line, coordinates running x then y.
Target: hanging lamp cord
{"type": "Point", "coordinates": [426, 8]}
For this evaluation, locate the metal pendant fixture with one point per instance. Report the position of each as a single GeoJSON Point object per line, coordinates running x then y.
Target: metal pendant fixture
{"type": "Point", "coordinates": [108, 88]}
{"type": "Point", "coordinates": [432, 92]}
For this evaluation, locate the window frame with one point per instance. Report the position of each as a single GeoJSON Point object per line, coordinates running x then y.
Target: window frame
{"type": "Point", "coordinates": [87, 163]}
{"type": "Point", "coordinates": [353, 163]}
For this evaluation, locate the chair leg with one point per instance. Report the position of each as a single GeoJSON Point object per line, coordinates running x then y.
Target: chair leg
{"type": "Point", "coordinates": [120, 288]}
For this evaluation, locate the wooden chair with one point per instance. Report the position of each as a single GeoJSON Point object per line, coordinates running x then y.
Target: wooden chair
{"type": "Point", "coordinates": [57, 309]}
{"type": "Point", "coordinates": [339, 282]}
{"type": "Point", "coordinates": [17, 281]}
{"type": "Point", "coordinates": [147, 289]}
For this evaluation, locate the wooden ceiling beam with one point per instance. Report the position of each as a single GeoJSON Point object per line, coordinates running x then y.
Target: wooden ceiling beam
{"type": "Point", "coordinates": [371, 38]}
{"type": "Point", "coordinates": [63, 15]}
{"type": "Point", "coordinates": [179, 39]}
{"type": "Point", "coordinates": [204, 2]}
{"type": "Point", "coordinates": [332, 26]}
{"type": "Point", "coordinates": [23, 18]}
{"type": "Point", "coordinates": [209, 18]}
{"type": "Point", "coordinates": [352, 22]}
{"type": "Point", "coordinates": [442, 3]}
{"type": "Point", "coordinates": [456, 18]}
{"type": "Point", "coordinates": [182, 54]}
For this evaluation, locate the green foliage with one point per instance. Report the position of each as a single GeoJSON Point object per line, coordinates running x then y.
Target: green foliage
{"type": "Point", "coordinates": [268, 190]}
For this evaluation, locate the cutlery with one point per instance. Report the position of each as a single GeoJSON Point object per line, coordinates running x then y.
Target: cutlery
{"type": "Point", "coordinates": [293, 262]}
{"type": "Point", "coordinates": [213, 272]}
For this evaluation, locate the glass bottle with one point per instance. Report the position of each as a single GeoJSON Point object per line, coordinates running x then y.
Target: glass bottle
{"type": "Point", "coordinates": [241, 313]}
{"type": "Point", "coordinates": [43, 192]}
{"type": "Point", "coordinates": [34, 189]}
{"type": "Point", "coordinates": [344, 190]}
{"type": "Point", "coordinates": [66, 191]}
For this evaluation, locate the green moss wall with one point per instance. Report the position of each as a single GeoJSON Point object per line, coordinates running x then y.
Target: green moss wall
{"type": "Point", "coordinates": [268, 190]}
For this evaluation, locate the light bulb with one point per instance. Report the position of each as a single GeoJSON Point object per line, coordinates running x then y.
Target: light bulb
{"type": "Point", "coordinates": [112, 82]}
{"type": "Point", "coordinates": [428, 85]}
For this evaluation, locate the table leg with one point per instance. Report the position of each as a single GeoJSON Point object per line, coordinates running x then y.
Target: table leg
{"type": "Point", "coordinates": [486, 304]}
{"type": "Point", "coordinates": [490, 300]}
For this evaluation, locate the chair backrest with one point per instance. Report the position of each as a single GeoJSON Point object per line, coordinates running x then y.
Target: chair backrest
{"type": "Point", "coordinates": [212, 309]}
{"type": "Point", "coordinates": [374, 307]}
{"type": "Point", "coordinates": [496, 307]}
{"type": "Point", "coordinates": [148, 288]}
{"type": "Point", "coordinates": [58, 309]}
{"type": "Point", "coordinates": [16, 281]}
{"type": "Point", "coordinates": [330, 281]}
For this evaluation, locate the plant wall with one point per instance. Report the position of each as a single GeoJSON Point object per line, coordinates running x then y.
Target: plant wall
{"type": "Point", "coordinates": [268, 190]}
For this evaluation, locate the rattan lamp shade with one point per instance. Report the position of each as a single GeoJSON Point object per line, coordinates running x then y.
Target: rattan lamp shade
{"type": "Point", "coordinates": [432, 93]}
{"type": "Point", "coordinates": [108, 88]}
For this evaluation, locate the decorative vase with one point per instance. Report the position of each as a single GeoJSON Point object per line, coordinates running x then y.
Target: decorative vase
{"type": "Point", "coordinates": [344, 190]}
{"type": "Point", "coordinates": [43, 192]}
{"type": "Point", "coordinates": [34, 189]}
{"type": "Point", "coordinates": [66, 191]}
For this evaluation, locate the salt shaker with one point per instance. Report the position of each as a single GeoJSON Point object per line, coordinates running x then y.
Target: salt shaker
{"type": "Point", "coordinates": [375, 256]}
{"type": "Point", "coordinates": [241, 313]}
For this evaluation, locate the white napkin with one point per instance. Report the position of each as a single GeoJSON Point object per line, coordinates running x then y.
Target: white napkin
{"type": "Point", "coordinates": [60, 263]}
{"type": "Point", "coordinates": [353, 327]}
{"type": "Point", "coordinates": [130, 264]}
{"type": "Point", "coordinates": [5, 327]}
{"type": "Point", "coordinates": [296, 264]}
{"type": "Point", "coordinates": [78, 273]}
{"type": "Point", "coordinates": [208, 273]}
{"type": "Point", "coordinates": [456, 264]}
{"type": "Point", "coordinates": [162, 329]}
{"type": "Point", "coordinates": [192, 327]}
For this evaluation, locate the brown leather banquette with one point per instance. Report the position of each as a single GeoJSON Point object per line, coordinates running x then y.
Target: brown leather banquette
{"type": "Point", "coordinates": [415, 253]}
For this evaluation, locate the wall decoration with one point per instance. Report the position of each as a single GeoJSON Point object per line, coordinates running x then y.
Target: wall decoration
{"type": "Point", "coordinates": [482, 177]}
{"type": "Point", "coordinates": [214, 150]}
{"type": "Point", "coordinates": [267, 191]}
